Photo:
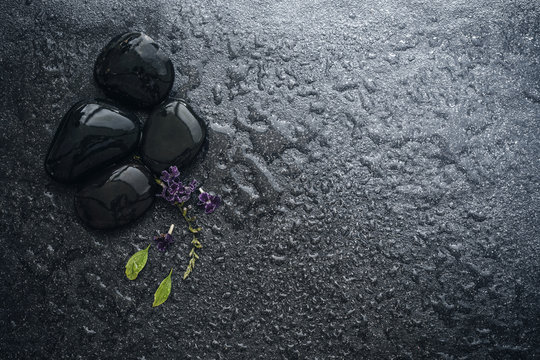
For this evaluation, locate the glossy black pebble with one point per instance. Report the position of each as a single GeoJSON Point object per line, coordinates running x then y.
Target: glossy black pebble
{"type": "Point", "coordinates": [92, 135]}
{"type": "Point", "coordinates": [116, 197]}
{"type": "Point", "coordinates": [133, 69]}
{"type": "Point", "coordinates": [173, 135]}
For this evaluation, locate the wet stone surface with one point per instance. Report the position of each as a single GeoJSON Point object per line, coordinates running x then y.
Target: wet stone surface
{"type": "Point", "coordinates": [92, 135]}
{"type": "Point", "coordinates": [378, 164]}
{"type": "Point", "coordinates": [173, 135]}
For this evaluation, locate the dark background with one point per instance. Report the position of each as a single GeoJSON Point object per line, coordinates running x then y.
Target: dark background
{"type": "Point", "coordinates": [379, 163]}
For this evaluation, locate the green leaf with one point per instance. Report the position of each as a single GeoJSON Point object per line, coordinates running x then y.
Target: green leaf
{"type": "Point", "coordinates": [163, 291]}
{"type": "Point", "coordinates": [136, 263]}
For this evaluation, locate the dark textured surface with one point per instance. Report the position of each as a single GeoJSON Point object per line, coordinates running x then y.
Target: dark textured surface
{"type": "Point", "coordinates": [379, 163]}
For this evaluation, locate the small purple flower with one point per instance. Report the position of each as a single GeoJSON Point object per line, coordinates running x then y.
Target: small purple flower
{"type": "Point", "coordinates": [191, 187]}
{"type": "Point", "coordinates": [171, 175]}
{"type": "Point", "coordinates": [173, 187]}
{"type": "Point", "coordinates": [210, 202]}
{"type": "Point", "coordinates": [181, 198]}
{"type": "Point", "coordinates": [174, 191]}
{"type": "Point", "coordinates": [174, 171]}
{"type": "Point", "coordinates": [163, 241]}
{"type": "Point", "coordinates": [165, 176]}
{"type": "Point", "coordinates": [166, 195]}
{"type": "Point", "coordinates": [184, 192]}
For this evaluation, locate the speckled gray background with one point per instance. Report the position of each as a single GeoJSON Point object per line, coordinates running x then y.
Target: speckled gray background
{"type": "Point", "coordinates": [379, 162]}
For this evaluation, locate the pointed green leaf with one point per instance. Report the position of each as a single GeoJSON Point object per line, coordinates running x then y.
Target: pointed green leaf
{"type": "Point", "coordinates": [136, 263]}
{"type": "Point", "coordinates": [163, 291]}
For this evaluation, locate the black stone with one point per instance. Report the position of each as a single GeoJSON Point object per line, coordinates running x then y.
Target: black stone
{"type": "Point", "coordinates": [173, 135]}
{"type": "Point", "coordinates": [116, 197]}
{"type": "Point", "coordinates": [133, 69]}
{"type": "Point", "coordinates": [93, 134]}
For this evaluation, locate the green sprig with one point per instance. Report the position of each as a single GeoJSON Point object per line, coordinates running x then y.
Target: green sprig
{"type": "Point", "coordinates": [195, 242]}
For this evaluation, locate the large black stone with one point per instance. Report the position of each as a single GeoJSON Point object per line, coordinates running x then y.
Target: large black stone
{"type": "Point", "coordinates": [173, 135]}
{"type": "Point", "coordinates": [133, 69]}
{"type": "Point", "coordinates": [116, 197]}
{"type": "Point", "coordinates": [92, 135]}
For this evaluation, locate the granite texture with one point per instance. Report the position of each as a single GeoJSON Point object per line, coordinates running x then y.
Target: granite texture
{"type": "Point", "coordinates": [378, 161]}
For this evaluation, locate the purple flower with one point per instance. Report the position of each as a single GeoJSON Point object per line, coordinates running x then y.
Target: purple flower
{"type": "Point", "coordinates": [163, 241]}
{"type": "Point", "coordinates": [165, 176]}
{"type": "Point", "coordinates": [174, 171]}
{"type": "Point", "coordinates": [173, 187]}
{"type": "Point", "coordinates": [171, 175]}
{"type": "Point", "coordinates": [210, 202]}
{"type": "Point", "coordinates": [191, 187]}
{"type": "Point", "coordinates": [167, 196]}
{"type": "Point", "coordinates": [179, 198]}
{"type": "Point", "coordinates": [174, 191]}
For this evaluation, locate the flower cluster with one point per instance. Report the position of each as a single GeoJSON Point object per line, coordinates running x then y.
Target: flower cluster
{"type": "Point", "coordinates": [176, 193]}
{"type": "Point", "coordinates": [163, 241]}
{"type": "Point", "coordinates": [174, 190]}
{"type": "Point", "coordinates": [210, 202]}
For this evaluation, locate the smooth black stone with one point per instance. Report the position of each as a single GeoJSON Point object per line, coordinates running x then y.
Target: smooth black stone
{"type": "Point", "coordinates": [173, 135]}
{"type": "Point", "coordinates": [133, 69]}
{"type": "Point", "coordinates": [116, 197]}
{"type": "Point", "coordinates": [93, 134]}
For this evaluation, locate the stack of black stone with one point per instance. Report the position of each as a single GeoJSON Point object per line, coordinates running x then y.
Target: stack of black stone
{"type": "Point", "coordinates": [96, 136]}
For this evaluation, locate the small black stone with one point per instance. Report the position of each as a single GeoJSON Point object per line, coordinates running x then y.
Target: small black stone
{"type": "Point", "coordinates": [93, 134]}
{"type": "Point", "coordinates": [173, 135]}
{"type": "Point", "coordinates": [133, 69]}
{"type": "Point", "coordinates": [116, 197]}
